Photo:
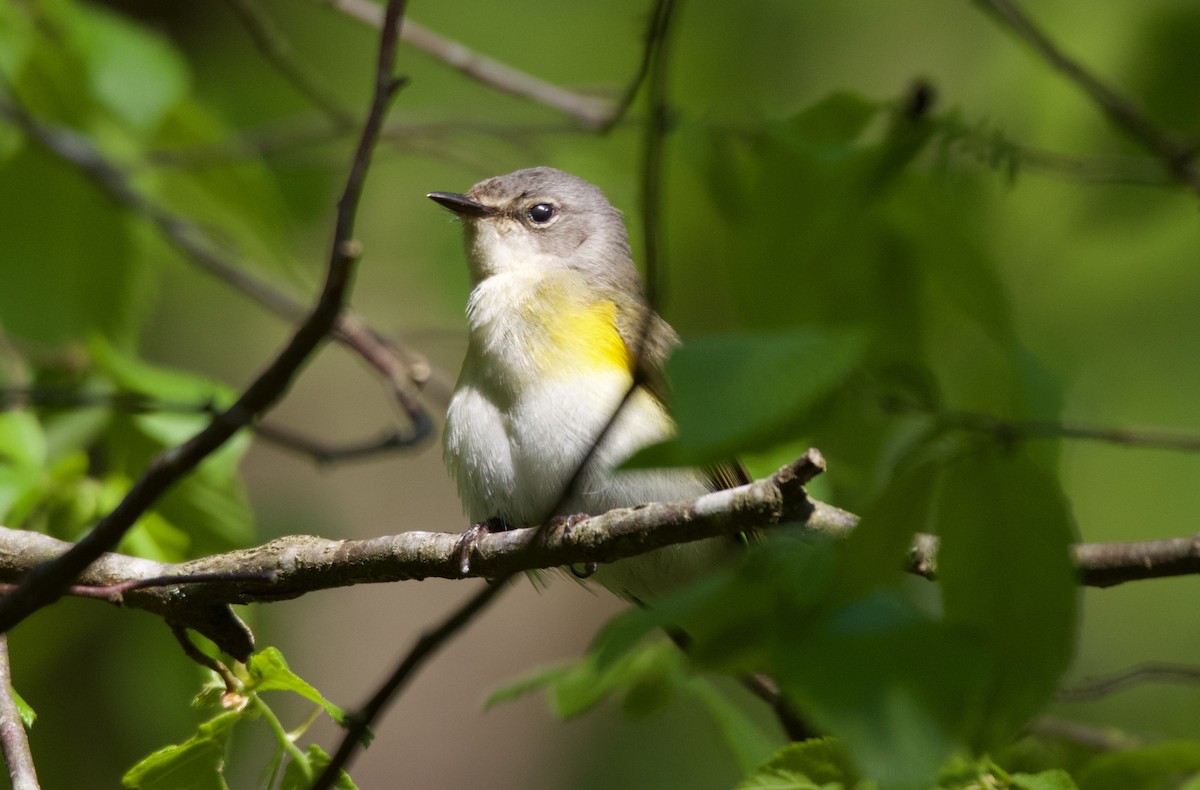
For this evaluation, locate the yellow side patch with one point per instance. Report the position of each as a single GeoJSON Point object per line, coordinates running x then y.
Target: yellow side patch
{"type": "Point", "coordinates": [583, 340]}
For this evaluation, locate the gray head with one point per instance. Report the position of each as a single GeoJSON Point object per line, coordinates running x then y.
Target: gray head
{"type": "Point", "coordinates": [539, 220]}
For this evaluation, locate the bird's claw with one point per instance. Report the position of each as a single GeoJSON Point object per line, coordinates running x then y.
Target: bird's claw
{"type": "Point", "coordinates": [468, 542]}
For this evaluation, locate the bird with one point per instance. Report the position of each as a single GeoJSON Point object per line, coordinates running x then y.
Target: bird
{"type": "Point", "coordinates": [559, 334]}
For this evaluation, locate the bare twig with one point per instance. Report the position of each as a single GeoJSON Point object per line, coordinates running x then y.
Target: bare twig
{"type": "Point", "coordinates": [272, 43]}
{"type": "Point", "coordinates": [13, 738]}
{"type": "Point", "coordinates": [1177, 157]}
{"type": "Point", "coordinates": [47, 582]}
{"type": "Point", "coordinates": [589, 112]}
{"type": "Point", "coordinates": [1103, 739]}
{"type": "Point", "coordinates": [1010, 430]}
{"type": "Point", "coordinates": [1156, 671]}
{"type": "Point", "coordinates": [425, 647]}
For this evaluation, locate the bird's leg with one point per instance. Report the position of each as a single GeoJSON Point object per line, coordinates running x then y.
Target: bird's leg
{"type": "Point", "coordinates": [468, 542]}
{"type": "Point", "coordinates": [564, 524]}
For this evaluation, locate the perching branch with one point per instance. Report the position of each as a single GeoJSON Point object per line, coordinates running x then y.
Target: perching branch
{"type": "Point", "coordinates": [45, 583]}
{"type": "Point", "coordinates": [292, 566]}
{"type": "Point", "coordinates": [13, 739]}
{"type": "Point", "coordinates": [1178, 158]}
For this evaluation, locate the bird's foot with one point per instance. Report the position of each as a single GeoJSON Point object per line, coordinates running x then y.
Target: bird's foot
{"type": "Point", "coordinates": [468, 542]}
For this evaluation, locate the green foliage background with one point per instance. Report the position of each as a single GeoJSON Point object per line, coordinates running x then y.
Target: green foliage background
{"type": "Point", "coordinates": [892, 264]}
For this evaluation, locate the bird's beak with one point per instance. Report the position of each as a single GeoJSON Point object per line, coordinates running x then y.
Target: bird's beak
{"type": "Point", "coordinates": [461, 204]}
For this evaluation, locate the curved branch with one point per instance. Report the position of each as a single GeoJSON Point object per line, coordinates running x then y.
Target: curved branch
{"type": "Point", "coordinates": [292, 566]}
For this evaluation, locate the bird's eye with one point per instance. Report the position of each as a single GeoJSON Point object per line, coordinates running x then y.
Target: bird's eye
{"type": "Point", "coordinates": [541, 213]}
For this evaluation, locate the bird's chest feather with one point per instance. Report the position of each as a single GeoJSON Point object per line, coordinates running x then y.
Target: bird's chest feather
{"type": "Point", "coordinates": [543, 372]}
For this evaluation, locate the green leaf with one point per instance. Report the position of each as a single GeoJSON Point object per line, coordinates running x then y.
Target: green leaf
{"type": "Point", "coordinates": [537, 680]}
{"type": "Point", "coordinates": [1046, 780]}
{"type": "Point", "coordinates": [135, 73]}
{"type": "Point", "coordinates": [269, 671]}
{"type": "Point", "coordinates": [646, 675]}
{"type": "Point", "coordinates": [22, 441]}
{"type": "Point", "coordinates": [196, 764]}
{"type": "Point", "coordinates": [898, 689]}
{"type": "Point", "coordinates": [748, 392]}
{"type": "Point", "coordinates": [68, 266]}
{"type": "Point", "coordinates": [294, 777]}
{"type": "Point", "coordinates": [817, 764]}
{"type": "Point", "coordinates": [27, 713]}
{"type": "Point", "coordinates": [874, 552]}
{"type": "Point", "coordinates": [1147, 768]}
{"type": "Point", "coordinates": [750, 744]}
{"type": "Point", "coordinates": [1001, 515]}
{"type": "Point", "coordinates": [838, 119]}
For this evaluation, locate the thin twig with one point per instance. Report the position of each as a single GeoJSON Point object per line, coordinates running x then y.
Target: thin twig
{"type": "Point", "coordinates": [404, 367]}
{"type": "Point", "coordinates": [1156, 671]}
{"type": "Point", "coordinates": [272, 43]}
{"type": "Point", "coordinates": [13, 738]}
{"type": "Point", "coordinates": [589, 112]}
{"type": "Point", "coordinates": [1178, 158]}
{"type": "Point", "coordinates": [1102, 739]}
{"type": "Point", "coordinates": [654, 34]}
{"type": "Point", "coordinates": [421, 651]}
{"type": "Point", "coordinates": [321, 453]}
{"type": "Point", "coordinates": [1011, 430]}
{"type": "Point", "coordinates": [45, 583]}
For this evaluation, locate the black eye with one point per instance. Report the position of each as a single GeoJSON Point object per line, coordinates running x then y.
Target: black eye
{"type": "Point", "coordinates": [541, 213]}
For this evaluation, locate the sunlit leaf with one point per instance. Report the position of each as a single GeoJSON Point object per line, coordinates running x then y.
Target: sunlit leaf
{"type": "Point", "coordinates": [270, 671]}
{"type": "Point", "coordinates": [196, 764]}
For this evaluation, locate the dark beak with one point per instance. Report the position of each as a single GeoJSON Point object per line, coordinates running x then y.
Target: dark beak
{"type": "Point", "coordinates": [461, 204]}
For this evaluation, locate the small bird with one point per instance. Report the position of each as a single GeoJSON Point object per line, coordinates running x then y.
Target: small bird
{"type": "Point", "coordinates": [559, 332]}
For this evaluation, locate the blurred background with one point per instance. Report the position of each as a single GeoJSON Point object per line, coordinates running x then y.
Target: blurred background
{"type": "Point", "coordinates": [1038, 212]}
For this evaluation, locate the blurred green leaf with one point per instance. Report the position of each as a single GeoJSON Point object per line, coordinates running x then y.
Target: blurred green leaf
{"type": "Point", "coordinates": [69, 266]}
{"type": "Point", "coordinates": [734, 393]}
{"type": "Point", "coordinates": [22, 442]}
{"type": "Point", "coordinates": [196, 764]}
{"type": "Point", "coordinates": [836, 121]}
{"type": "Point", "coordinates": [750, 744]}
{"type": "Point", "coordinates": [999, 514]}
{"type": "Point", "coordinates": [1148, 768]}
{"type": "Point", "coordinates": [134, 72]}
{"type": "Point", "coordinates": [899, 690]}
{"type": "Point", "coordinates": [1047, 780]}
